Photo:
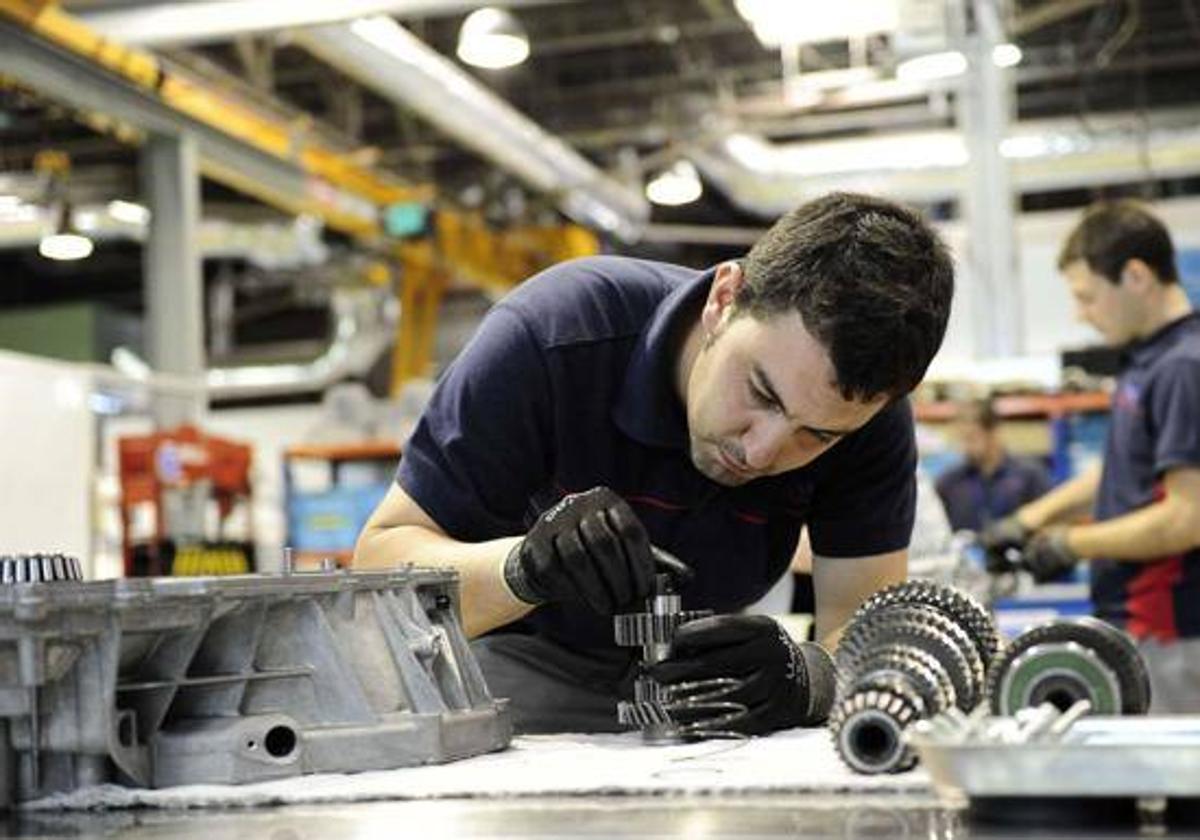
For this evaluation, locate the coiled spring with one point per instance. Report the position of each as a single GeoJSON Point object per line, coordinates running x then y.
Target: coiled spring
{"type": "Point", "coordinates": [686, 711]}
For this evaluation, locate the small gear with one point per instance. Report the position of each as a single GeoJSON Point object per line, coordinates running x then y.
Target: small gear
{"type": "Point", "coordinates": [642, 715]}
{"type": "Point", "coordinates": [39, 568]}
{"type": "Point", "coordinates": [955, 604]}
{"type": "Point", "coordinates": [868, 726]}
{"type": "Point", "coordinates": [637, 629]}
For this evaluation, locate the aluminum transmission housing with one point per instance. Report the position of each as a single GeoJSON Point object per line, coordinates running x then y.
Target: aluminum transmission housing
{"type": "Point", "coordinates": [167, 681]}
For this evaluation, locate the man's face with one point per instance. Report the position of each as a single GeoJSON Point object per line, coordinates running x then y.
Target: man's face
{"type": "Point", "coordinates": [1111, 308]}
{"type": "Point", "coordinates": [976, 441]}
{"type": "Point", "coordinates": [760, 398]}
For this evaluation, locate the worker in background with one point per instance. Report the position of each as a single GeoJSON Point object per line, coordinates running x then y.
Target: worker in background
{"type": "Point", "coordinates": [990, 483]}
{"type": "Point", "coordinates": [1144, 544]}
{"type": "Point", "coordinates": [608, 404]}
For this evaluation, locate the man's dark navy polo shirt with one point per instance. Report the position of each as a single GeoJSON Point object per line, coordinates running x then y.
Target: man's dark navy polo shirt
{"type": "Point", "coordinates": [1155, 427]}
{"type": "Point", "coordinates": [569, 384]}
{"type": "Point", "coordinates": [974, 500]}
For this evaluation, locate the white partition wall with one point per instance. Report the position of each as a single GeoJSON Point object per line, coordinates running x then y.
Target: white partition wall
{"type": "Point", "coordinates": [46, 457]}
{"type": "Point", "coordinates": [1049, 322]}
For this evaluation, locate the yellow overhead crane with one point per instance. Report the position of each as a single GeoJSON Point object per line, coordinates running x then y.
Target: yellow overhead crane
{"type": "Point", "coordinates": [458, 245]}
{"type": "Point", "coordinates": [461, 245]}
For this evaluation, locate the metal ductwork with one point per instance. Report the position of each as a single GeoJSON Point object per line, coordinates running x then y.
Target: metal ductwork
{"type": "Point", "coordinates": [194, 22]}
{"type": "Point", "coordinates": [364, 324]}
{"type": "Point", "coordinates": [770, 179]}
{"type": "Point", "coordinates": [382, 55]}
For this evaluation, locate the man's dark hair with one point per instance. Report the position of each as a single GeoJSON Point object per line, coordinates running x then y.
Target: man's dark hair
{"type": "Point", "coordinates": [981, 412]}
{"type": "Point", "coordinates": [871, 280]}
{"type": "Point", "coordinates": [1112, 233]}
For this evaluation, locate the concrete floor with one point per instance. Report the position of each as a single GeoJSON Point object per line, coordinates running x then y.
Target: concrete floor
{"type": "Point", "coordinates": [891, 816]}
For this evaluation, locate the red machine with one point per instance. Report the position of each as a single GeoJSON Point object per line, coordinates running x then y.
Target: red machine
{"type": "Point", "coordinates": [179, 489]}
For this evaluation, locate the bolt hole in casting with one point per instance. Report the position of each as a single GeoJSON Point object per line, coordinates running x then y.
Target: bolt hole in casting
{"type": "Point", "coordinates": [280, 741]}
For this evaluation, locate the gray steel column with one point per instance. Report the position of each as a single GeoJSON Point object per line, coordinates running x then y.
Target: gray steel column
{"type": "Point", "coordinates": [985, 110]}
{"type": "Point", "coordinates": [172, 275]}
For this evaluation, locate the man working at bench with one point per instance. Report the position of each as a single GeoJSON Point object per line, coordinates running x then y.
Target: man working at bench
{"type": "Point", "coordinates": [609, 404]}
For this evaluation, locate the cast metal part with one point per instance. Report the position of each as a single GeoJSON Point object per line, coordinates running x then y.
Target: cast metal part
{"type": "Point", "coordinates": [1041, 756]}
{"type": "Point", "coordinates": [165, 681]}
{"type": "Point", "coordinates": [1066, 661]}
{"type": "Point", "coordinates": [910, 652]}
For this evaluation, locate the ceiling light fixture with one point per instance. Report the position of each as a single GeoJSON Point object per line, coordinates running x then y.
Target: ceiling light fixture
{"type": "Point", "coordinates": [946, 65]}
{"type": "Point", "coordinates": [493, 39]}
{"type": "Point", "coordinates": [675, 186]}
{"type": "Point", "coordinates": [16, 211]}
{"type": "Point", "coordinates": [65, 242]}
{"type": "Point", "coordinates": [129, 212]}
{"type": "Point", "coordinates": [1006, 55]}
{"type": "Point", "coordinates": [932, 67]}
{"type": "Point", "coordinates": [778, 22]}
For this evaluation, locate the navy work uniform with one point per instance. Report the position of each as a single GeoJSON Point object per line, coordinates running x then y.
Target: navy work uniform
{"type": "Point", "coordinates": [974, 500]}
{"type": "Point", "coordinates": [1155, 427]}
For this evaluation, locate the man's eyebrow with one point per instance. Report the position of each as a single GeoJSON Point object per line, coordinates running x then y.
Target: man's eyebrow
{"type": "Point", "coordinates": [764, 382]}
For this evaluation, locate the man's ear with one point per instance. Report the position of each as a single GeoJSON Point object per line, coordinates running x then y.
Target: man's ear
{"type": "Point", "coordinates": [721, 294]}
{"type": "Point", "coordinates": [1136, 276]}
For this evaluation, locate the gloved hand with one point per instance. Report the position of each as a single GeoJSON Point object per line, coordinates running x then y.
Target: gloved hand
{"type": "Point", "coordinates": [590, 548]}
{"type": "Point", "coordinates": [1048, 555]}
{"type": "Point", "coordinates": [784, 684]}
{"type": "Point", "coordinates": [1002, 541]}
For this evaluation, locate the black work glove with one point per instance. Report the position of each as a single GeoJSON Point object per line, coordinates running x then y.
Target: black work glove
{"type": "Point", "coordinates": [590, 548]}
{"type": "Point", "coordinates": [1002, 542]}
{"type": "Point", "coordinates": [1048, 556]}
{"type": "Point", "coordinates": [783, 684]}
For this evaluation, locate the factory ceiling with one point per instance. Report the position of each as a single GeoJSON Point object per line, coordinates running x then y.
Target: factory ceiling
{"type": "Point", "coordinates": [633, 84]}
{"type": "Point", "coordinates": [633, 87]}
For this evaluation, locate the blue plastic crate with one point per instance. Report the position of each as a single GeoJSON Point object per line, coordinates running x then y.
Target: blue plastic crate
{"type": "Point", "coordinates": [331, 520]}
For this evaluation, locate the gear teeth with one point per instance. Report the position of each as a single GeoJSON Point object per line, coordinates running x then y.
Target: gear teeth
{"type": "Point", "coordinates": [39, 568]}
{"type": "Point", "coordinates": [928, 678]}
{"type": "Point", "coordinates": [868, 726]}
{"type": "Point", "coordinates": [922, 627]}
{"type": "Point", "coordinates": [637, 629]}
{"type": "Point", "coordinates": [955, 604]}
{"type": "Point", "coordinates": [648, 706]}
{"type": "Point", "coordinates": [642, 715]}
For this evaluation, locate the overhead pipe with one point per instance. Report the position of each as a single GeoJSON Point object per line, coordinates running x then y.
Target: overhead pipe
{"type": "Point", "coordinates": [382, 55]}
{"type": "Point", "coordinates": [364, 324]}
{"type": "Point", "coordinates": [769, 179]}
{"type": "Point", "coordinates": [176, 24]}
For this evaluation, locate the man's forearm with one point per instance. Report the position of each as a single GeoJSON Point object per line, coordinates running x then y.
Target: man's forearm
{"type": "Point", "coordinates": [485, 598]}
{"type": "Point", "coordinates": [1158, 530]}
{"type": "Point", "coordinates": [1067, 501]}
{"type": "Point", "coordinates": [841, 584]}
